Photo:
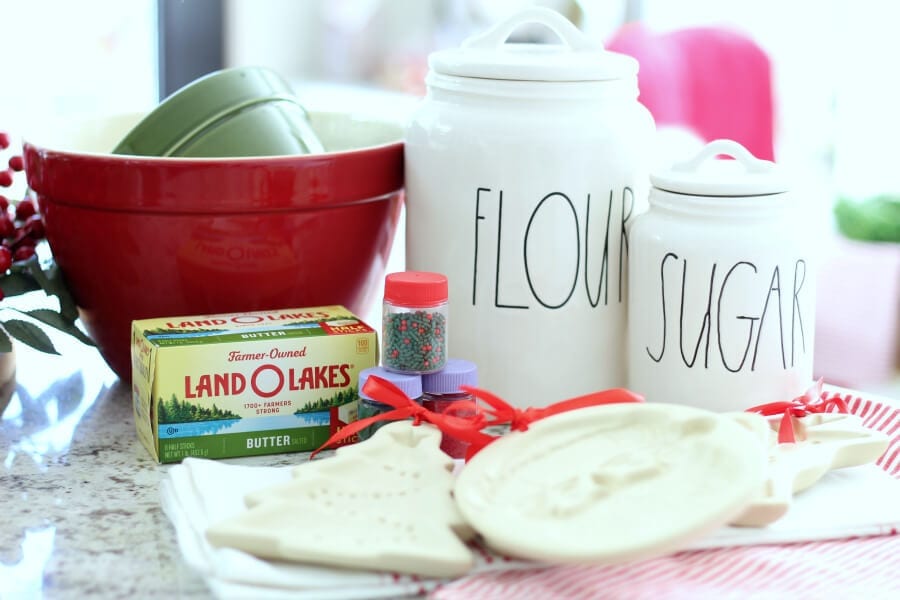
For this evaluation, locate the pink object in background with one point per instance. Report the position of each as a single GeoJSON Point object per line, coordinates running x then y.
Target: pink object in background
{"type": "Point", "coordinates": [858, 313]}
{"type": "Point", "coordinates": [713, 81]}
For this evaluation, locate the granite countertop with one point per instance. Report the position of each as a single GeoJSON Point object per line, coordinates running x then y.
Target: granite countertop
{"type": "Point", "coordinates": [80, 495]}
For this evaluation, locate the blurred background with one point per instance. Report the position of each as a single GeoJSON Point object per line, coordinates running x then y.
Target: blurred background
{"type": "Point", "coordinates": [811, 84]}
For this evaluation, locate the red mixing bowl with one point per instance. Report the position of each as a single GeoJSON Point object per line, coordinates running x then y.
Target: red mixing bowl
{"type": "Point", "coordinates": [139, 237]}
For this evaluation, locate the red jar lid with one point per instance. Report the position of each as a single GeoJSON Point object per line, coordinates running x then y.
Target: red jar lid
{"type": "Point", "coordinates": [415, 288]}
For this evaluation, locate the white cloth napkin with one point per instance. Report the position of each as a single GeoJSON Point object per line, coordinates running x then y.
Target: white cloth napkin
{"type": "Point", "coordinates": [850, 502]}
{"type": "Point", "coordinates": [199, 492]}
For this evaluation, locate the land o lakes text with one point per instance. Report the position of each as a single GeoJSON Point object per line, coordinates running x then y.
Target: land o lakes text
{"type": "Point", "coordinates": [267, 380]}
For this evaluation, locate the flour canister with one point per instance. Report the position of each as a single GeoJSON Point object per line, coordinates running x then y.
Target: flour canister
{"type": "Point", "coordinates": [524, 165]}
{"type": "Point", "coordinates": [722, 298]}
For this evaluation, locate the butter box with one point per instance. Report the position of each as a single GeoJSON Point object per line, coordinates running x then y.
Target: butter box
{"type": "Point", "coordinates": [246, 384]}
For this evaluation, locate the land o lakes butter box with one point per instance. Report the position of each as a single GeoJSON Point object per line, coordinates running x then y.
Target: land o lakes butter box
{"type": "Point", "coordinates": [248, 383]}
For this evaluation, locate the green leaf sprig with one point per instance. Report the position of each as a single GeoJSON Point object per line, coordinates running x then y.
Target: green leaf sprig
{"type": "Point", "coordinates": [22, 271]}
{"type": "Point", "coordinates": [30, 276]}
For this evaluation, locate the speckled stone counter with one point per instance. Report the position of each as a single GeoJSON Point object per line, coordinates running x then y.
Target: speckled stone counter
{"type": "Point", "coordinates": [80, 496]}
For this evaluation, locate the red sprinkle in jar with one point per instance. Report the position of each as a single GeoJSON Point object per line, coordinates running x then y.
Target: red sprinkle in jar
{"type": "Point", "coordinates": [414, 323]}
{"type": "Point", "coordinates": [440, 393]}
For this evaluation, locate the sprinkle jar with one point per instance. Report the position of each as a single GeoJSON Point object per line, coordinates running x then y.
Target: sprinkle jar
{"type": "Point", "coordinates": [410, 384]}
{"type": "Point", "coordinates": [440, 393]}
{"type": "Point", "coordinates": [414, 323]}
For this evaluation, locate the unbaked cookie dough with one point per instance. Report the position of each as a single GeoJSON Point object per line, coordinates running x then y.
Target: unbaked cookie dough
{"type": "Point", "coordinates": [384, 504]}
{"type": "Point", "coordinates": [612, 483]}
{"type": "Point", "coordinates": [825, 441]}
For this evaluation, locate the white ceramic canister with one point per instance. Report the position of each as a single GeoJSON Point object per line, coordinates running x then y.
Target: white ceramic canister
{"type": "Point", "coordinates": [722, 297]}
{"type": "Point", "coordinates": [524, 165]}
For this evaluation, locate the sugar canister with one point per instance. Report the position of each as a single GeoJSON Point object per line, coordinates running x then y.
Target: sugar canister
{"type": "Point", "coordinates": [722, 274]}
{"type": "Point", "coordinates": [524, 165]}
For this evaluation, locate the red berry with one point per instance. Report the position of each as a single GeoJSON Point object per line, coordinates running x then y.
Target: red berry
{"type": "Point", "coordinates": [6, 178]}
{"type": "Point", "coordinates": [22, 239]}
{"type": "Point", "coordinates": [4, 140]}
{"type": "Point", "coordinates": [23, 253]}
{"type": "Point", "coordinates": [7, 227]}
{"type": "Point", "coordinates": [4, 202]}
{"type": "Point", "coordinates": [16, 163]}
{"type": "Point", "coordinates": [5, 259]}
{"type": "Point", "coordinates": [25, 209]}
{"type": "Point", "coordinates": [34, 227]}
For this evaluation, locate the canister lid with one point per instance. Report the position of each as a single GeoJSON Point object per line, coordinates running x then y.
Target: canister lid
{"type": "Point", "coordinates": [576, 58]}
{"type": "Point", "coordinates": [706, 175]}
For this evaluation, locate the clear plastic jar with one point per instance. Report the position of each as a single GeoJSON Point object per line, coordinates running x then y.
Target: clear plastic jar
{"type": "Point", "coordinates": [441, 393]}
{"type": "Point", "coordinates": [414, 322]}
{"type": "Point", "coordinates": [410, 384]}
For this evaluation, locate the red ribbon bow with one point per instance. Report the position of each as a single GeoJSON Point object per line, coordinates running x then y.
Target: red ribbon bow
{"type": "Point", "coordinates": [383, 391]}
{"type": "Point", "coordinates": [467, 427]}
{"type": "Point", "coordinates": [501, 412]}
{"type": "Point", "coordinates": [813, 401]}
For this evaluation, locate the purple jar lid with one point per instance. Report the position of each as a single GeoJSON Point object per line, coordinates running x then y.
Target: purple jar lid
{"type": "Point", "coordinates": [457, 372]}
{"type": "Point", "coordinates": [410, 384]}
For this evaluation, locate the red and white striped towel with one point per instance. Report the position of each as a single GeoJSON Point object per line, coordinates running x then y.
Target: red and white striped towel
{"type": "Point", "coordinates": [850, 568]}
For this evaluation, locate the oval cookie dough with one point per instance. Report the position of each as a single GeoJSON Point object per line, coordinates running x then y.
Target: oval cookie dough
{"type": "Point", "coordinates": [612, 483]}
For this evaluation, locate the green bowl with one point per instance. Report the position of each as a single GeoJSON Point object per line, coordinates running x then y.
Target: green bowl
{"type": "Point", "coordinates": [245, 111]}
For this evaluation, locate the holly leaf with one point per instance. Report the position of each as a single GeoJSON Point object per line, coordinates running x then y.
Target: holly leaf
{"type": "Point", "coordinates": [54, 319]}
{"type": "Point", "coordinates": [5, 342]}
{"type": "Point", "coordinates": [32, 266]}
{"type": "Point", "coordinates": [16, 284]}
{"type": "Point", "coordinates": [56, 285]}
{"type": "Point", "coordinates": [30, 334]}
{"type": "Point", "coordinates": [27, 276]}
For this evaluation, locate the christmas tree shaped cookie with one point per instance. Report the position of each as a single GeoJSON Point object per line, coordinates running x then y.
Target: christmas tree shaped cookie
{"type": "Point", "coordinates": [384, 504]}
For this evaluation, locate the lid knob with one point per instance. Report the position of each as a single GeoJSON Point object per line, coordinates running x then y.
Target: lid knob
{"type": "Point", "coordinates": [728, 148]}
{"type": "Point", "coordinates": [490, 55]}
{"type": "Point", "coordinates": [568, 34]}
{"type": "Point", "coordinates": [704, 175]}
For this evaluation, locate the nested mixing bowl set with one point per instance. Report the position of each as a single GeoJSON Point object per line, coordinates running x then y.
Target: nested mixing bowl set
{"type": "Point", "coordinates": [176, 231]}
